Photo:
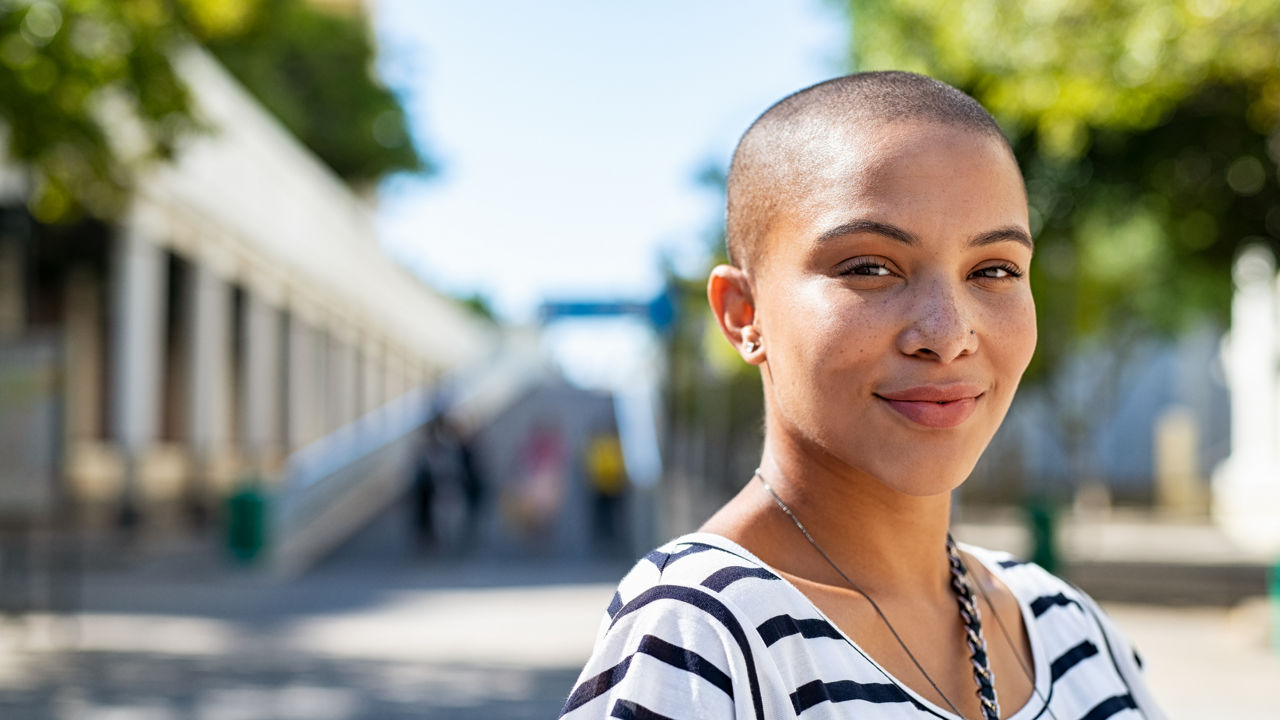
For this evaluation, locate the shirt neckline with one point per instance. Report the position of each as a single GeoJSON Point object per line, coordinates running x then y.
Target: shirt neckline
{"type": "Point", "coordinates": [1034, 705]}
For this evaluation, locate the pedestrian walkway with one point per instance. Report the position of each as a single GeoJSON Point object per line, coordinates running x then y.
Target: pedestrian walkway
{"type": "Point", "coordinates": [492, 653]}
{"type": "Point", "coordinates": [380, 633]}
{"type": "Point", "coordinates": [1136, 557]}
{"type": "Point", "coordinates": [478, 652]}
{"type": "Point", "coordinates": [377, 640]}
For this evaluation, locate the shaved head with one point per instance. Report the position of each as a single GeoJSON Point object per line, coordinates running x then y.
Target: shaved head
{"type": "Point", "coordinates": [804, 137]}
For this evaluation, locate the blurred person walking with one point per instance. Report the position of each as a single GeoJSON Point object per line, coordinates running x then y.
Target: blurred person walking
{"type": "Point", "coordinates": [435, 475]}
{"type": "Point", "coordinates": [607, 478]}
{"type": "Point", "coordinates": [533, 502]}
{"type": "Point", "coordinates": [472, 486]}
{"type": "Point", "coordinates": [425, 472]}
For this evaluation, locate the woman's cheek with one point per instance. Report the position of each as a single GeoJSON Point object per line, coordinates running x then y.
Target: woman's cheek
{"type": "Point", "coordinates": [1020, 332]}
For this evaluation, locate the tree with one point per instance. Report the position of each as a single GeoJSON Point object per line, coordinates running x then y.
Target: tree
{"type": "Point", "coordinates": [1148, 132]}
{"type": "Point", "coordinates": [66, 66]}
{"type": "Point", "coordinates": [313, 69]}
{"type": "Point", "coordinates": [713, 401]}
{"type": "Point", "coordinates": [59, 62]}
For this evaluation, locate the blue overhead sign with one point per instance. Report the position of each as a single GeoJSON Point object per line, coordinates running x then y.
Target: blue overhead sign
{"type": "Point", "coordinates": [659, 312]}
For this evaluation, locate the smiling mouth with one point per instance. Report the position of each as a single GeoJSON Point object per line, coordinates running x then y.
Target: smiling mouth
{"type": "Point", "coordinates": [934, 413]}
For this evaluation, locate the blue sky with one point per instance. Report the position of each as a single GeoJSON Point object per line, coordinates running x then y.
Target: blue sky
{"type": "Point", "coordinates": [569, 134]}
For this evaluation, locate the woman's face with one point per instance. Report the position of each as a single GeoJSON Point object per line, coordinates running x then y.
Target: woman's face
{"type": "Point", "coordinates": [893, 302]}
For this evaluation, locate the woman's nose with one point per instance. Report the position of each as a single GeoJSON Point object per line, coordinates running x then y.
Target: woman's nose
{"type": "Point", "coordinates": [938, 327]}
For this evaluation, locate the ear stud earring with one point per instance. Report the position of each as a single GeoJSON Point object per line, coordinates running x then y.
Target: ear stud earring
{"type": "Point", "coordinates": [751, 346]}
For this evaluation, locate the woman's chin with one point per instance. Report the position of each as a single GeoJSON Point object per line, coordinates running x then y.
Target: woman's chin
{"type": "Point", "coordinates": [924, 479]}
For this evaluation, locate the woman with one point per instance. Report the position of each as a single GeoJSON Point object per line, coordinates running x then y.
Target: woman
{"type": "Point", "coordinates": [878, 234]}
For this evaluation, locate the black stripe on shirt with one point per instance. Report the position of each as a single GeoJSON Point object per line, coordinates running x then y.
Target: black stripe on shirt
{"type": "Point", "coordinates": [594, 687]}
{"type": "Point", "coordinates": [656, 647]}
{"type": "Point", "coordinates": [724, 577]}
{"type": "Point", "coordinates": [817, 692]}
{"type": "Point", "coordinates": [1071, 658]}
{"type": "Point", "coordinates": [686, 660]}
{"type": "Point", "coordinates": [776, 628]}
{"type": "Point", "coordinates": [1042, 604]}
{"type": "Point", "coordinates": [711, 606]}
{"type": "Point", "coordinates": [661, 559]}
{"type": "Point", "coordinates": [615, 605]}
{"type": "Point", "coordinates": [1111, 706]}
{"type": "Point", "coordinates": [1006, 564]}
{"type": "Point", "coordinates": [628, 710]}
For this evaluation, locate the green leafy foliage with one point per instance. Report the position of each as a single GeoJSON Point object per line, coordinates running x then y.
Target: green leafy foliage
{"type": "Point", "coordinates": [60, 64]}
{"type": "Point", "coordinates": [1147, 133]}
{"type": "Point", "coordinates": [70, 70]}
{"type": "Point", "coordinates": [1063, 68]}
{"type": "Point", "coordinates": [313, 69]}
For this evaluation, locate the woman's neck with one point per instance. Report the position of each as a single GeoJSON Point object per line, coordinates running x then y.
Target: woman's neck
{"type": "Point", "coordinates": [890, 544]}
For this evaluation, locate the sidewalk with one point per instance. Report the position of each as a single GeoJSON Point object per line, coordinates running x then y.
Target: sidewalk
{"type": "Point", "coordinates": [1137, 557]}
{"type": "Point", "coordinates": [497, 653]}
{"type": "Point", "coordinates": [379, 633]}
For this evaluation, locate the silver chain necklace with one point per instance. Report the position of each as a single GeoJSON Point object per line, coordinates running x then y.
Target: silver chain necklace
{"type": "Point", "coordinates": [983, 676]}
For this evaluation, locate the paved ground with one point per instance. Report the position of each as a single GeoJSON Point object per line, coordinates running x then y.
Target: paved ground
{"type": "Point", "coordinates": [385, 635]}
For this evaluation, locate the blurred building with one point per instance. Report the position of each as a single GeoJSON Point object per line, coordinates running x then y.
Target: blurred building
{"type": "Point", "coordinates": [240, 313]}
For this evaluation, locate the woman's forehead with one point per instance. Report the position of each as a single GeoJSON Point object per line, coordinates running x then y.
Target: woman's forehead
{"type": "Point", "coordinates": [904, 173]}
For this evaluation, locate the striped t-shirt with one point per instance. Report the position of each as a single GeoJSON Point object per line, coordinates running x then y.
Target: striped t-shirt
{"type": "Point", "coordinates": [701, 628]}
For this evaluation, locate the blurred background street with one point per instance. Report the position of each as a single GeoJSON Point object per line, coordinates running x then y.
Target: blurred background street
{"type": "Point", "coordinates": [350, 351]}
{"type": "Point", "coordinates": [378, 631]}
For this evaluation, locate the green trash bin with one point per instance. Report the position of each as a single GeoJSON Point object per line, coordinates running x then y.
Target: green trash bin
{"type": "Point", "coordinates": [246, 523]}
{"type": "Point", "coordinates": [1275, 607]}
{"type": "Point", "coordinates": [1042, 519]}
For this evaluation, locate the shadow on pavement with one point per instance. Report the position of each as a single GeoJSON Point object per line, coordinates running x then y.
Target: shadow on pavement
{"type": "Point", "coordinates": [88, 685]}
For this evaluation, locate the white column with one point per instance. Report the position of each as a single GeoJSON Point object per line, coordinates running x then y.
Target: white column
{"type": "Point", "coordinates": [358, 360]}
{"type": "Point", "coordinates": [301, 380]}
{"type": "Point", "coordinates": [333, 375]}
{"type": "Point", "coordinates": [138, 269]}
{"type": "Point", "coordinates": [322, 383]}
{"type": "Point", "coordinates": [344, 385]}
{"type": "Point", "coordinates": [1252, 359]}
{"type": "Point", "coordinates": [208, 367]}
{"type": "Point", "coordinates": [261, 340]}
{"type": "Point", "coordinates": [1247, 485]}
{"type": "Point", "coordinates": [396, 384]}
{"type": "Point", "coordinates": [373, 371]}
{"type": "Point", "coordinates": [318, 402]}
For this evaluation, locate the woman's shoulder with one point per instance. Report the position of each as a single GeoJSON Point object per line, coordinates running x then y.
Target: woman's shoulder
{"type": "Point", "coordinates": [1030, 583]}
{"type": "Point", "coordinates": [681, 628]}
{"type": "Point", "coordinates": [692, 566]}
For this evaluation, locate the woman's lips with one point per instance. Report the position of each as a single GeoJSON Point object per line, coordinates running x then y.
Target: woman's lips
{"type": "Point", "coordinates": [934, 406]}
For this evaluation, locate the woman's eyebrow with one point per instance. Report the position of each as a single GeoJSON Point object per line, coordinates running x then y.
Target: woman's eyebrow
{"type": "Point", "coordinates": [893, 232]}
{"type": "Point", "coordinates": [1010, 232]}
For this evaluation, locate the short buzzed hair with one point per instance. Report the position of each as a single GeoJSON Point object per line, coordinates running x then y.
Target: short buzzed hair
{"type": "Point", "coordinates": [777, 154]}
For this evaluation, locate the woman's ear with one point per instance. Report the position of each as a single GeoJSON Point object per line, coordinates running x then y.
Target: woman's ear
{"type": "Point", "coordinates": [732, 302]}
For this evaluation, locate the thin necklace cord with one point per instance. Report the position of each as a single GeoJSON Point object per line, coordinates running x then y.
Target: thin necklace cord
{"type": "Point", "coordinates": [959, 561]}
{"type": "Point", "coordinates": [959, 579]}
{"type": "Point", "coordinates": [783, 506]}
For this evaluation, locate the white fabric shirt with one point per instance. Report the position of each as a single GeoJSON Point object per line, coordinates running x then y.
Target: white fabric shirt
{"type": "Point", "coordinates": [701, 628]}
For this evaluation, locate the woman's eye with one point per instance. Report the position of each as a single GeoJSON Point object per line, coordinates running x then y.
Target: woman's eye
{"type": "Point", "coordinates": [998, 272]}
{"type": "Point", "coordinates": [871, 269]}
